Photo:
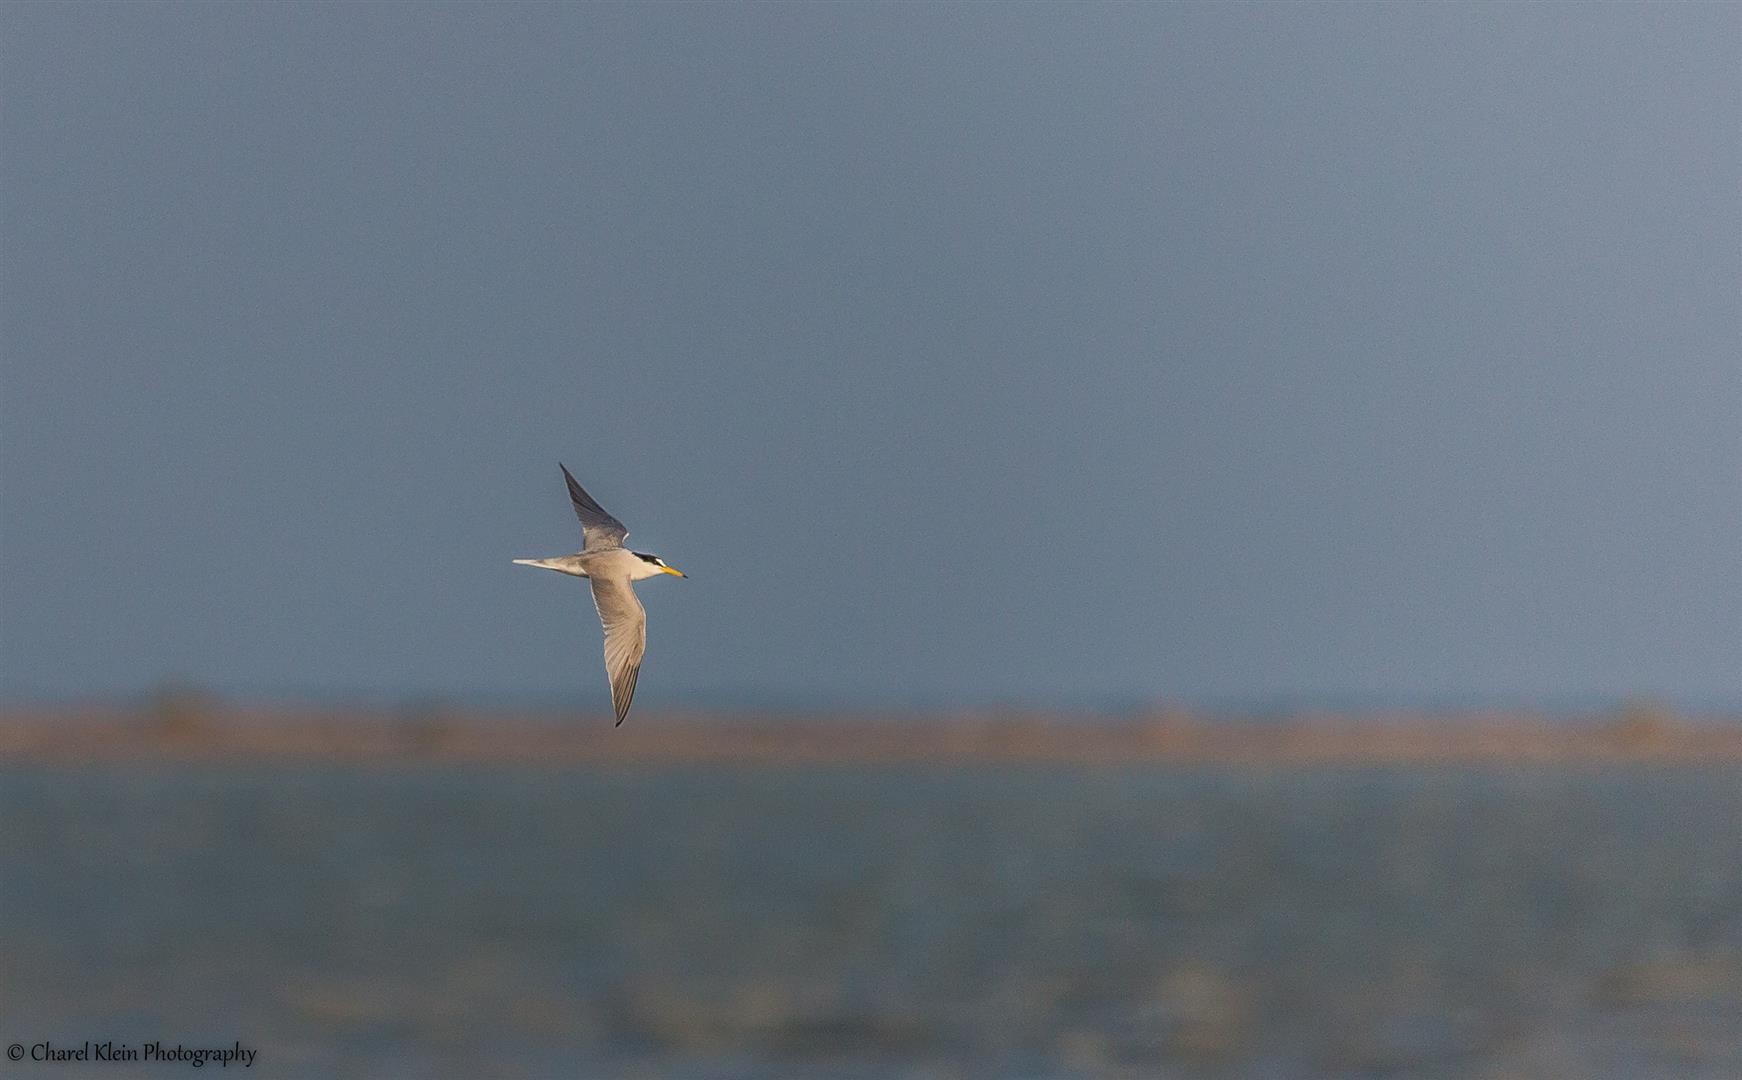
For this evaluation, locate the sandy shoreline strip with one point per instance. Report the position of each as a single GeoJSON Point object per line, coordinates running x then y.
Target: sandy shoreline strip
{"type": "Point", "coordinates": [179, 730]}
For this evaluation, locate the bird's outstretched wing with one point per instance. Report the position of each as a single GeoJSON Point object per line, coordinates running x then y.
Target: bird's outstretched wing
{"type": "Point", "coordinates": [599, 530]}
{"type": "Point", "coordinates": [625, 623]}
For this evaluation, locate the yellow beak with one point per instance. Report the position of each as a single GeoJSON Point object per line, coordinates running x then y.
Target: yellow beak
{"type": "Point", "coordinates": [671, 570]}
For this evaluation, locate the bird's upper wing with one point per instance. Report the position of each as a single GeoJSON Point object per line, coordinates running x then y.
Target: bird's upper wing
{"type": "Point", "coordinates": [625, 622]}
{"type": "Point", "coordinates": [599, 530]}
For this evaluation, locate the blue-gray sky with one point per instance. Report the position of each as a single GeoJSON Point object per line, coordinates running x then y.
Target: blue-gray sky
{"type": "Point", "coordinates": [1070, 354]}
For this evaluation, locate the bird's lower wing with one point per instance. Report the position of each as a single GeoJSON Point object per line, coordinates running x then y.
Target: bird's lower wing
{"type": "Point", "coordinates": [625, 623]}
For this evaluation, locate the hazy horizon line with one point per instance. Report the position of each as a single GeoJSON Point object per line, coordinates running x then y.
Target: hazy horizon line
{"type": "Point", "coordinates": [742, 700]}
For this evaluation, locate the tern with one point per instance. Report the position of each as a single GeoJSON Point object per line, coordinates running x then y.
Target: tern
{"type": "Point", "coordinates": [610, 568]}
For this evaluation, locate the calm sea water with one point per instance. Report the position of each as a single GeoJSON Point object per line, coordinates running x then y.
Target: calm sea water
{"type": "Point", "coordinates": [849, 921]}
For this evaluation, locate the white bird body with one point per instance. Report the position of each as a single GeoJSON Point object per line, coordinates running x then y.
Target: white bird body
{"type": "Point", "coordinates": [612, 562]}
{"type": "Point", "coordinates": [610, 568]}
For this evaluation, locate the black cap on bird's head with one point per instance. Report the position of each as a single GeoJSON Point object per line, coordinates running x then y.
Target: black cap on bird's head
{"type": "Point", "coordinates": [659, 562]}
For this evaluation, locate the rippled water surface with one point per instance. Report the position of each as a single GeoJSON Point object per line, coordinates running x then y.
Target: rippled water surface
{"type": "Point", "coordinates": [847, 921]}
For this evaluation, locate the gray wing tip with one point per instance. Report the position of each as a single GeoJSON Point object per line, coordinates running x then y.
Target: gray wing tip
{"type": "Point", "coordinates": [626, 693]}
{"type": "Point", "coordinates": [587, 508]}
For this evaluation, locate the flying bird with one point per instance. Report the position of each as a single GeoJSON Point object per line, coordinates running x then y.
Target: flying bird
{"type": "Point", "coordinates": [610, 567]}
